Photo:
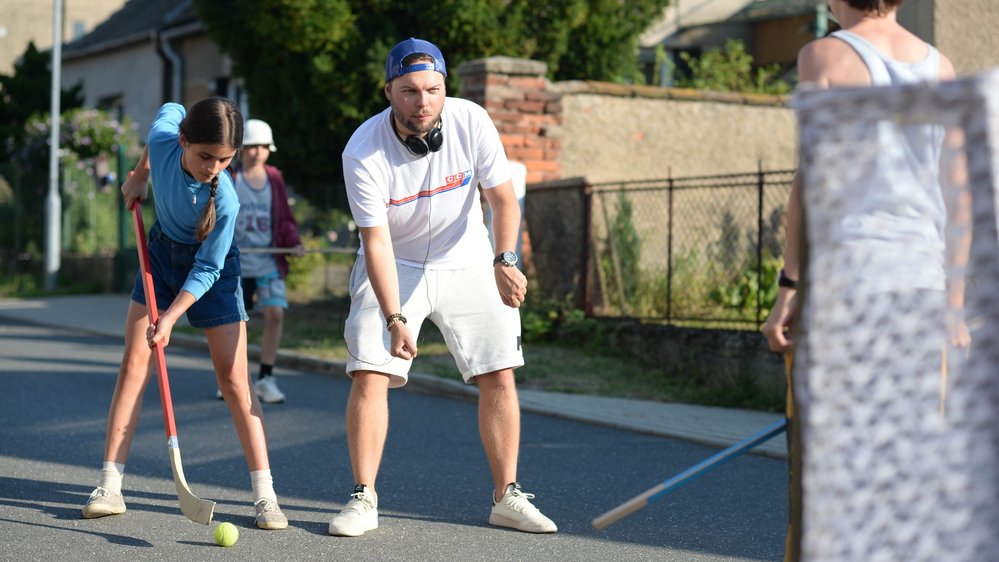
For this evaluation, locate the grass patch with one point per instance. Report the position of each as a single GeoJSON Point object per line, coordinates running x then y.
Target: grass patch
{"type": "Point", "coordinates": [27, 285]}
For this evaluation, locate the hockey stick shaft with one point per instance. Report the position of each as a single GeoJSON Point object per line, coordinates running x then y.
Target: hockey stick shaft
{"type": "Point", "coordinates": [700, 469]}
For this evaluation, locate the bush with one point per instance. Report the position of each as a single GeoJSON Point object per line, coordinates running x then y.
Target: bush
{"type": "Point", "coordinates": [90, 140]}
{"type": "Point", "coordinates": [731, 70]}
{"type": "Point", "coordinates": [550, 320]}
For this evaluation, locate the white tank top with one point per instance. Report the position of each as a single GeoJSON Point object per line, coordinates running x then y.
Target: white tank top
{"type": "Point", "coordinates": [886, 71]}
{"type": "Point", "coordinates": [900, 221]}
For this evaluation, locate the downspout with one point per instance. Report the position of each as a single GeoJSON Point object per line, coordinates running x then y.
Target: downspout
{"type": "Point", "coordinates": [174, 76]}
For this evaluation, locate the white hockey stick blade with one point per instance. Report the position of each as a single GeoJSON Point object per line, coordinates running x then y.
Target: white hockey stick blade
{"type": "Point", "coordinates": [195, 508]}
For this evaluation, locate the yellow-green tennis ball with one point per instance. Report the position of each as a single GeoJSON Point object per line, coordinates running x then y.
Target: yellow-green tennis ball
{"type": "Point", "coordinates": [226, 534]}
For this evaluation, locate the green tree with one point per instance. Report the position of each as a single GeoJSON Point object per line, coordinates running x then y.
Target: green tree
{"type": "Point", "coordinates": [27, 92]}
{"type": "Point", "coordinates": [604, 44]}
{"type": "Point", "coordinates": [24, 95]}
{"type": "Point", "coordinates": [731, 70]}
{"type": "Point", "coordinates": [314, 69]}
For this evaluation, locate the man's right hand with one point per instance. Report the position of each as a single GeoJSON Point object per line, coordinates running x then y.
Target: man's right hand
{"type": "Point", "coordinates": [403, 345]}
{"type": "Point", "coordinates": [778, 324]}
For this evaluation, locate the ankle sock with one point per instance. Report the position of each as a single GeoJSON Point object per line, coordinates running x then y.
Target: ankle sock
{"type": "Point", "coordinates": [265, 371]}
{"type": "Point", "coordinates": [263, 485]}
{"type": "Point", "coordinates": [111, 476]}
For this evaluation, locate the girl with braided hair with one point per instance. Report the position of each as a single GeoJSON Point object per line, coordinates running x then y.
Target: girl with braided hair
{"type": "Point", "coordinates": [195, 268]}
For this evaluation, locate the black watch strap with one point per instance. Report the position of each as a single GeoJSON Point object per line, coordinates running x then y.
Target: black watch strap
{"type": "Point", "coordinates": [784, 281]}
{"type": "Point", "coordinates": [507, 258]}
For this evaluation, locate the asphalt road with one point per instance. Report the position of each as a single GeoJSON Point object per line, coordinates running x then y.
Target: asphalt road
{"type": "Point", "coordinates": [434, 486]}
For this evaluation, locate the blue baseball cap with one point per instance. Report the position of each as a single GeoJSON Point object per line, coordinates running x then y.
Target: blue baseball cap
{"type": "Point", "coordinates": [411, 46]}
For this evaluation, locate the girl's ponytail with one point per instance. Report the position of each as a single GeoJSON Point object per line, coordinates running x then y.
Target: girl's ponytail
{"type": "Point", "coordinates": [207, 223]}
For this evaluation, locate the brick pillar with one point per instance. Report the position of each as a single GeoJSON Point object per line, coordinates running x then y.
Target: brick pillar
{"type": "Point", "coordinates": [524, 108]}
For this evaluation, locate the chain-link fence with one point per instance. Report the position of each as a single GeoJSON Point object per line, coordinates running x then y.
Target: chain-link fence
{"type": "Point", "coordinates": [693, 251]}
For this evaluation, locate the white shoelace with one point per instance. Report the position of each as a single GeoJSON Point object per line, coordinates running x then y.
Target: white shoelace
{"type": "Point", "coordinates": [519, 501]}
{"type": "Point", "coordinates": [265, 505]}
{"type": "Point", "coordinates": [360, 504]}
{"type": "Point", "coordinates": [101, 492]}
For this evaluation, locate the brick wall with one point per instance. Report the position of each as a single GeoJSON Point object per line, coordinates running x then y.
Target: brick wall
{"type": "Point", "coordinates": [525, 109]}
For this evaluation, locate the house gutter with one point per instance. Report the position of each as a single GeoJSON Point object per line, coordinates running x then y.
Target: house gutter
{"type": "Point", "coordinates": [173, 89]}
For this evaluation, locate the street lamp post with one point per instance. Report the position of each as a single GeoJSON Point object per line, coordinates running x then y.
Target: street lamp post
{"type": "Point", "coordinates": [53, 201]}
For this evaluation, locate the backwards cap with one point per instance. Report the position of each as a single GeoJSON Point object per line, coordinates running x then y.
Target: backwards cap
{"type": "Point", "coordinates": [411, 46]}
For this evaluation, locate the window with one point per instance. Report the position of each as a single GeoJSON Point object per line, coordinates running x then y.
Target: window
{"type": "Point", "coordinates": [79, 30]}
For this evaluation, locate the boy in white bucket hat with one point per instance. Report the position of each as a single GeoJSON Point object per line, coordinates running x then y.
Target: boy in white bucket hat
{"type": "Point", "coordinates": [264, 221]}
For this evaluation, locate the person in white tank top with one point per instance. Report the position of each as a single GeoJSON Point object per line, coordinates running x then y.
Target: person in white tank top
{"type": "Point", "coordinates": [871, 49]}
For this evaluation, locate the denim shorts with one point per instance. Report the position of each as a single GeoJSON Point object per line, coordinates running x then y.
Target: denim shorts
{"type": "Point", "coordinates": [171, 262]}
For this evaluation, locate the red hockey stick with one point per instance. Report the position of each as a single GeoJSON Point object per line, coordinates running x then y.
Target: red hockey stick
{"type": "Point", "coordinates": [195, 508]}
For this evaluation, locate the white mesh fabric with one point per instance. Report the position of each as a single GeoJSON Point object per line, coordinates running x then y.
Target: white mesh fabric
{"type": "Point", "coordinates": [899, 429]}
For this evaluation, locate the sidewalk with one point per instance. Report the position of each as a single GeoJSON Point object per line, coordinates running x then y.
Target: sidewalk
{"type": "Point", "coordinates": [104, 314]}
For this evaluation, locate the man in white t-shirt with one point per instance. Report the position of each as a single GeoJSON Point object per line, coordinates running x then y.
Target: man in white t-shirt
{"type": "Point", "coordinates": [412, 174]}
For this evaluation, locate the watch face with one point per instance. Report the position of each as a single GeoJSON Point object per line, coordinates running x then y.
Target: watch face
{"type": "Point", "coordinates": [506, 258]}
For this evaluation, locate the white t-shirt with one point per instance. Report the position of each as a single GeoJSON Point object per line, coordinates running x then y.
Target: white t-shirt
{"type": "Point", "coordinates": [430, 203]}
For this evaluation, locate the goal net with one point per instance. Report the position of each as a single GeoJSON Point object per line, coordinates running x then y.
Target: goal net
{"type": "Point", "coordinates": [896, 416]}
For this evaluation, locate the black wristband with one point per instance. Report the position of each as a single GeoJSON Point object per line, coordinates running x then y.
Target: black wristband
{"type": "Point", "coordinates": [784, 281]}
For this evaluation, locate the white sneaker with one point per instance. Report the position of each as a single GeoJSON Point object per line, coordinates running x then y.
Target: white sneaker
{"type": "Point", "coordinates": [359, 515]}
{"type": "Point", "coordinates": [269, 515]}
{"type": "Point", "coordinates": [103, 502]}
{"type": "Point", "coordinates": [267, 390]}
{"type": "Point", "coordinates": [218, 395]}
{"type": "Point", "coordinates": [515, 510]}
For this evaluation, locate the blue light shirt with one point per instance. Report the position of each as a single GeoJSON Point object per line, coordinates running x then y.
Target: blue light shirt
{"type": "Point", "coordinates": [180, 201]}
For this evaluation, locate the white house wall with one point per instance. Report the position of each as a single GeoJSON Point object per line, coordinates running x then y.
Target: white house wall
{"type": "Point", "coordinates": [133, 73]}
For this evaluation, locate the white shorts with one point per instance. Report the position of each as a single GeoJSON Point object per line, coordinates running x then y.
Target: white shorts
{"type": "Point", "coordinates": [482, 333]}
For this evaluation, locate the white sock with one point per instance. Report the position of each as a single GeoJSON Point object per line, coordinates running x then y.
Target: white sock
{"type": "Point", "coordinates": [111, 475]}
{"type": "Point", "coordinates": [263, 485]}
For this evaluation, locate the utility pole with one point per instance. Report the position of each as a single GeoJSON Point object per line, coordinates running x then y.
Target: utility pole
{"type": "Point", "coordinates": [53, 201]}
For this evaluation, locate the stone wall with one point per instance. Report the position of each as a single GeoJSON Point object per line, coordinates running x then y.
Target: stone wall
{"type": "Point", "coordinates": [703, 357]}
{"type": "Point", "coordinates": [967, 31]}
{"type": "Point", "coordinates": [613, 132]}
{"type": "Point", "coordinates": [609, 132]}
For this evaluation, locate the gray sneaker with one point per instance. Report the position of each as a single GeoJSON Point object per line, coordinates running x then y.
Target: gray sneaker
{"type": "Point", "coordinates": [103, 502]}
{"type": "Point", "coordinates": [516, 511]}
{"type": "Point", "coordinates": [269, 515]}
{"type": "Point", "coordinates": [267, 390]}
{"type": "Point", "coordinates": [359, 515]}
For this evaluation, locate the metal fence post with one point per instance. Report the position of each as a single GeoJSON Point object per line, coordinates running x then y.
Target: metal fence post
{"type": "Point", "coordinates": [669, 246]}
{"type": "Point", "coordinates": [587, 234]}
{"type": "Point", "coordinates": [759, 241]}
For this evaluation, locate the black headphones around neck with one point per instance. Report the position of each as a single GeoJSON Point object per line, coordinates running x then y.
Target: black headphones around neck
{"type": "Point", "coordinates": [418, 145]}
